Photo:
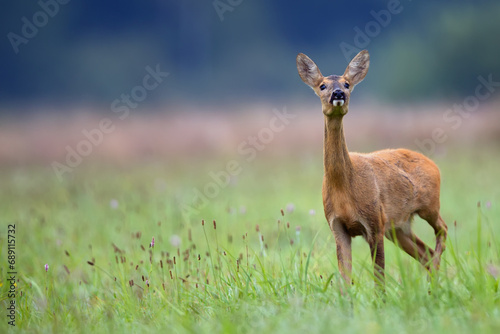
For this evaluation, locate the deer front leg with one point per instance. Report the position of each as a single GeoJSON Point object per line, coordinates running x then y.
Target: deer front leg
{"type": "Point", "coordinates": [377, 251]}
{"type": "Point", "coordinates": [344, 255]}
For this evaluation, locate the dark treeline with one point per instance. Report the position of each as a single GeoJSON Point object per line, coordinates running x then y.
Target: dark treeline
{"type": "Point", "coordinates": [226, 50]}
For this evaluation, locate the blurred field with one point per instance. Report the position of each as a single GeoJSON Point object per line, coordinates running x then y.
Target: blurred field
{"type": "Point", "coordinates": [177, 134]}
{"type": "Point", "coordinates": [259, 271]}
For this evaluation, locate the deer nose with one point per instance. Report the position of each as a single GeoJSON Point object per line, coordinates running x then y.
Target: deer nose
{"type": "Point", "coordinates": [337, 95]}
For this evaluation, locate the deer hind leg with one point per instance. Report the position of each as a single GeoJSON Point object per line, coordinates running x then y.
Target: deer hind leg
{"type": "Point", "coordinates": [441, 232]}
{"type": "Point", "coordinates": [413, 246]}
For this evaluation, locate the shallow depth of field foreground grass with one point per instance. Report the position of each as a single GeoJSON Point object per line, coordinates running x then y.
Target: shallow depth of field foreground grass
{"type": "Point", "coordinates": [255, 271]}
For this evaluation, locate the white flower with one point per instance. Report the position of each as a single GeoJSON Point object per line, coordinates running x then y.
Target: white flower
{"type": "Point", "coordinates": [493, 270]}
{"type": "Point", "coordinates": [113, 204]}
{"type": "Point", "coordinates": [312, 212]}
{"type": "Point", "coordinates": [290, 207]}
{"type": "Point", "coordinates": [175, 241]}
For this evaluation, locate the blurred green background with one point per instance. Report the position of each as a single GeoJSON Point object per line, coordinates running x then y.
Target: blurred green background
{"type": "Point", "coordinates": [224, 51]}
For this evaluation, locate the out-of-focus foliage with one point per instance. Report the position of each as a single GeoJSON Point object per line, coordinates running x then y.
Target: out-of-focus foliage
{"type": "Point", "coordinates": [92, 51]}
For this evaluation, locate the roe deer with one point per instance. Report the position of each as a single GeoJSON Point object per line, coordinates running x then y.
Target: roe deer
{"type": "Point", "coordinates": [372, 194]}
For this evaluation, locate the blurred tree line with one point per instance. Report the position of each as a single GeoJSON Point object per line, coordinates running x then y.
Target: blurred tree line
{"type": "Point", "coordinates": [220, 51]}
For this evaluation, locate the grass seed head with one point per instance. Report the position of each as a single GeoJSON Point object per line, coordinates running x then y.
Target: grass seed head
{"type": "Point", "coordinates": [66, 269]}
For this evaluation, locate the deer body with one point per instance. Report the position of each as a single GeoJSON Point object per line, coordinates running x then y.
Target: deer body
{"type": "Point", "coordinates": [376, 194]}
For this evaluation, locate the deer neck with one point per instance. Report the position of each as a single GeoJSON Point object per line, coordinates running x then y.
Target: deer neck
{"type": "Point", "coordinates": [337, 163]}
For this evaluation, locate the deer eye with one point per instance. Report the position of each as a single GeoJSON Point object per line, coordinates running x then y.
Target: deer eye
{"type": "Point", "coordinates": [346, 85]}
{"type": "Point", "coordinates": [322, 87]}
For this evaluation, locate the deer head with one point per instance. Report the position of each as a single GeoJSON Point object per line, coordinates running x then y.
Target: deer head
{"type": "Point", "coordinates": [334, 90]}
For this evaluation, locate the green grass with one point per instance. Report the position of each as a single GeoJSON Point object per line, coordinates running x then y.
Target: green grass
{"type": "Point", "coordinates": [235, 278]}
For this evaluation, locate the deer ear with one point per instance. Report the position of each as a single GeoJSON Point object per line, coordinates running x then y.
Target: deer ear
{"type": "Point", "coordinates": [357, 68]}
{"type": "Point", "coordinates": [308, 70]}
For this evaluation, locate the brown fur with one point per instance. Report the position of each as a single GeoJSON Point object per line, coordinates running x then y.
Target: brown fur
{"type": "Point", "coordinates": [375, 194]}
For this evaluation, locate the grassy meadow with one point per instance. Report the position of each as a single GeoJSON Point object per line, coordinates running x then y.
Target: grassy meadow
{"type": "Point", "coordinates": [267, 264]}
